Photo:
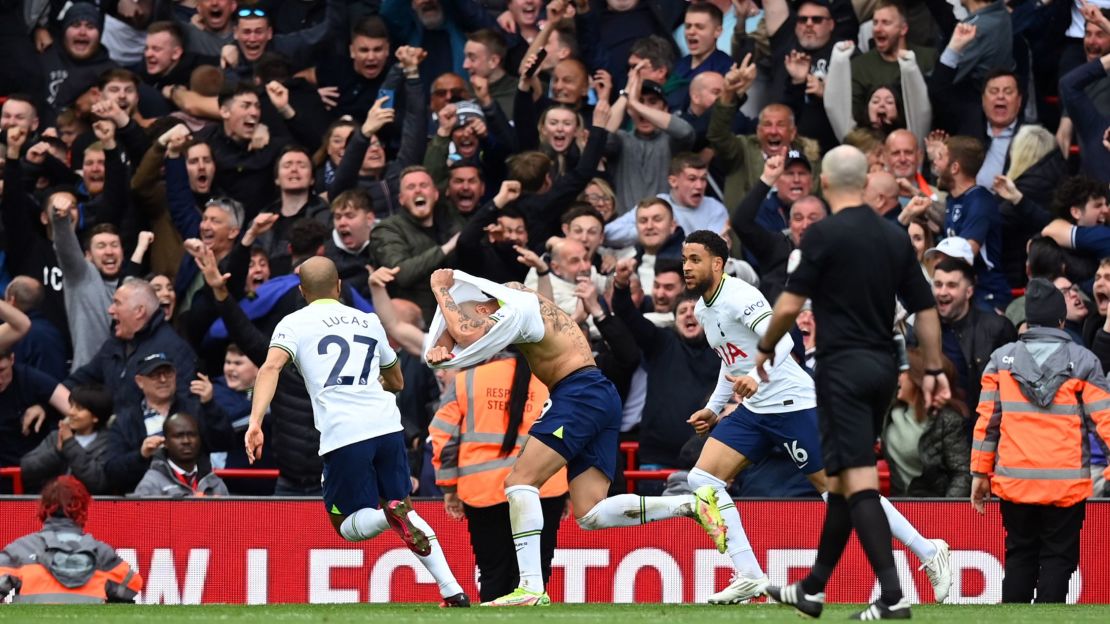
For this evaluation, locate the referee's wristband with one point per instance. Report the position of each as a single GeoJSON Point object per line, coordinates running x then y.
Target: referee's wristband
{"type": "Point", "coordinates": [934, 372]}
{"type": "Point", "coordinates": [759, 347]}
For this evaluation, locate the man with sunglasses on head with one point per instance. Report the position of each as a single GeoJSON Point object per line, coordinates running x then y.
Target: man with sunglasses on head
{"type": "Point", "coordinates": [253, 34]}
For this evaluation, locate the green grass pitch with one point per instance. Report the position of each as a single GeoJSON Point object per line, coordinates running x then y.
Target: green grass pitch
{"type": "Point", "coordinates": [576, 614]}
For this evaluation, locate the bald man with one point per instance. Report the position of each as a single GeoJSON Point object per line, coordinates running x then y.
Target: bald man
{"type": "Point", "coordinates": [856, 371]}
{"type": "Point", "coordinates": [881, 193]}
{"type": "Point", "coordinates": [350, 370]}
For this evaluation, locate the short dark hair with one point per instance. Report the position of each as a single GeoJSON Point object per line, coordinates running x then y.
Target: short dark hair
{"type": "Point", "coordinates": [117, 74]}
{"type": "Point", "coordinates": [95, 399]}
{"type": "Point", "coordinates": [530, 169]}
{"type": "Point", "coordinates": [950, 265]}
{"type": "Point", "coordinates": [306, 236]}
{"type": "Point", "coordinates": [293, 148]}
{"type": "Point", "coordinates": [687, 160]}
{"type": "Point", "coordinates": [668, 265]}
{"type": "Point", "coordinates": [255, 12]}
{"type": "Point", "coordinates": [968, 152]}
{"type": "Point", "coordinates": [168, 26]}
{"type": "Point", "coordinates": [490, 38]}
{"type": "Point", "coordinates": [230, 92]}
{"type": "Point", "coordinates": [581, 209]}
{"type": "Point", "coordinates": [99, 228]}
{"type": "Point", "coordinates": [568, 36]}
{"type": "Point", "coordinates": [1001, 72]}
{"type": "Point", "coordinates": [1046, 259]}
{"type": "Point", "coordinates": [657, 50]}
{"type": "Point", "coordinates": [512, 213]}
{"type": "Point", "coordinates": [370, 26]}
{"type": "Point", "coordinates": [272, 66]}
{"type": "Point", "coordinates": [26, 99]}
{"type": "Point", "coordinates": [712, 242]}
{"type": "Point", "coordinates": [707, 8]}
{"type": "Point", "coordinates": [1076, 191]}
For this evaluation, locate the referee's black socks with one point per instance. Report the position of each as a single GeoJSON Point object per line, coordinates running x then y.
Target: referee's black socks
{"type": "Point", "coordinates": [834, 537]}
{"type": "Point", "coordinates": [873, 531]}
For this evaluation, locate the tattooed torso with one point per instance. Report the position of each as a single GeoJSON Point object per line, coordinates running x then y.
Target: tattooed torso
{"type": "Point", "coordinates": [563, 350]}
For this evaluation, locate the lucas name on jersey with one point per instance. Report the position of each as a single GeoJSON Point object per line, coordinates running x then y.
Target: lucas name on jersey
{"type": "Point", "coordinates": [336, 321]}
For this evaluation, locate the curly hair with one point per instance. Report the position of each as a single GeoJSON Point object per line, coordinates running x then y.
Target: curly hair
{"type": "Point", "coordinates": [65, 497]}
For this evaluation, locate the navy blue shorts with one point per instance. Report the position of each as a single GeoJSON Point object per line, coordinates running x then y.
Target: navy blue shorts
{"type": "Point", "coordinates": [582, 422]}
{"type": "Point", "coordinates": [754, 435]}
{"type": "Point", "coordinates": [362, 474]}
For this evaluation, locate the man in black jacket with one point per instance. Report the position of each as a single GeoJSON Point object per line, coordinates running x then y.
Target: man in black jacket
{"type": "Point", "coordinates": [140, 330]}
{"type": "Point", "coordinates": [969, 335]}
{"type": "Point", "coordinates": [488, 241]}
{"type": "Point", "coordinates": [681, 372]}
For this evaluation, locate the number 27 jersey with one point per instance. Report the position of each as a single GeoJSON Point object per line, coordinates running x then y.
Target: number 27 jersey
{"type": "Point", "coordinates": [340, 352]}
{"type": "Point", "coordinates": [735, 318]}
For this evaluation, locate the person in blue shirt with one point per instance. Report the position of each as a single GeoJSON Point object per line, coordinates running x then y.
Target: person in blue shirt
{"type": "Point", "coordinates": [972, 213]}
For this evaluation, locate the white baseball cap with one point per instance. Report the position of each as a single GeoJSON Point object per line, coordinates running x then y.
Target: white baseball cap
{"type": "Point", "coordinates": [953, 247]}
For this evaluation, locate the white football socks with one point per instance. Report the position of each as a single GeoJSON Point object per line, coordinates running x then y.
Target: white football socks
{"type": "Point", "coordinates": [526, 520]}
{"type": "Point", "coordinates": [624, 510]}
{"type": "Point", "coordinates": [435, 562]}
{"type": "Point", "coordinates": [739, 548]}
{"type": "Point", "coordinates": [363, 524]}
{"type": "Point", "coordinates": [905, 532]}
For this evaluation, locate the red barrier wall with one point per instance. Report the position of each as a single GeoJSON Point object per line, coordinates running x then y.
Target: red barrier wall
{"type": "Point", "coordinates": [258, 551]}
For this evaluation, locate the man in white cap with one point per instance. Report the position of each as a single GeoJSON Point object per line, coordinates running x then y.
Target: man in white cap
{"type": "Point", "coordinates": [951, 247]}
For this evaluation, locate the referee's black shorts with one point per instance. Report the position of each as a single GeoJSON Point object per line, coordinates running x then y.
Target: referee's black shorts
{"type": "Point", "coordinates": [854, 391]}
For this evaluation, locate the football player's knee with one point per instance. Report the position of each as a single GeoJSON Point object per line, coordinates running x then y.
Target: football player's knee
{"type": "Point", "coordinates": [697, 478]}
{"type": "Point", "coordinates": [590, 521]}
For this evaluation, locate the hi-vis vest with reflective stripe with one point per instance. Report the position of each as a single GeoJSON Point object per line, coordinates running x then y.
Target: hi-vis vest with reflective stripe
{"type": "Point", "coordinates": [1033, 454]}
{"type": "Point", "coordinates": [467, 432]}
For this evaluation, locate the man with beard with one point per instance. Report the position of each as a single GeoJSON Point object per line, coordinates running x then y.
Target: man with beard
{"type": "Point", "coordinates": [972, 213]}
{"type": "Point", "coordinates": [90, 277]}
{"type": "Point", "coordinates": [80, 58]}
{"type": "Point", "coordinates": [419, 240]}
{"type": "Point", "coordinates": [349, 247]}
{"type": "Point", "coordinates": [770, 250]}
{"type": "Point", "coordinates": [879, 65]}
{"type": "Point", "coordinates": [293, 176]}
{"type": "Point", "coordinates": [693, 210]}
{"type": "Point", "coordinates": [969, 335]}
{"type": "Point", "coordinates": [742, 157]}
{"type": "Point", "coordinates": [465, 187]}
{"type": "Point", "coordinates": [179, 469]}
{"type": "Point", "coordinates": [777, 411]}
{"type": "Point", "coordinates": [489, 240]}
{"type": "Point", "coordinates": [679, 366]}
{"type": "Point", "coordinates": [803, 37]}
{"type": "Point", "coordinates": [904, 157]}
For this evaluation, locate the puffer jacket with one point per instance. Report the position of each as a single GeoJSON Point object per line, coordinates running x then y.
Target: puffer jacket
{"type": "Point", "coordinates": [61, 564]}
{"type": "Point", "coordinates": [160, 480]}
{"type": "Point", "coordinates": [295, 442]}
{"type": "Point", "coordinates": [944, 453]}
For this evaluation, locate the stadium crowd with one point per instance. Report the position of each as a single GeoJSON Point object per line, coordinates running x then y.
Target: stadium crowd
{"type": "Point", "coordinates": [167, 165]}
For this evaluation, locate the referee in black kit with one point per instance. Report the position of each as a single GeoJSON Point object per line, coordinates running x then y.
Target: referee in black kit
{"type": "Point", "coordinates": [852, 265]}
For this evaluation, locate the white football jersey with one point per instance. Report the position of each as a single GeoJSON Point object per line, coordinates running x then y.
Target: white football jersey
{"type": "Point", "coordinates": [340, 352]}
{"type": "Point", "coordinates": [735, 318]}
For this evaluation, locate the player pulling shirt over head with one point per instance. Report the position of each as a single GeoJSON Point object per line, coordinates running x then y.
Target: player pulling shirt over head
{"type": "Point", "coordinates": [780, 412]}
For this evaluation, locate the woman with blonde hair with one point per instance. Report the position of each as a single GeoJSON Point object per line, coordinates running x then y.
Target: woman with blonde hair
{"type": "Point", "coordinates": [600, 195]}
{"type": "Point", "coordinates": [1036, 169]}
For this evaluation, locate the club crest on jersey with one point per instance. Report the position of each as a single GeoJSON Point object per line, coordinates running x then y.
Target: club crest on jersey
{"type": "Point", "coordinates": [793, 261]}
{"type": "Point", "coordinates": [729, 353]}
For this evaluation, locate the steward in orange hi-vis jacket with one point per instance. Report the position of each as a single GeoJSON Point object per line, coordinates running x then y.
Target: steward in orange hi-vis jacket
{"type": "Point", "coordinates": [61, 564]}
{"type": "Point", "coordinates": [1041, 396]}
{"type": "Point", "coordinates": [476, 436]}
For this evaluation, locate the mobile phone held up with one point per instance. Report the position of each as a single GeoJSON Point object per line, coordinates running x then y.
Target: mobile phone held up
{"type": "Point", "coordinates": [540, 56]}
{"type": "Point", "coordinates": [389, 94]}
